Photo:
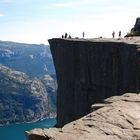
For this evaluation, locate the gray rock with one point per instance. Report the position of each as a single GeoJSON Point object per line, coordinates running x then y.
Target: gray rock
{"type": "Point", "coordinates": [119, 119]}
{"type": "Point", "coordinates": [97, 106]}
{"type": "Point", "coordinates": [137, 25]}
{"type": "Point", "coordinates": [89, 71]}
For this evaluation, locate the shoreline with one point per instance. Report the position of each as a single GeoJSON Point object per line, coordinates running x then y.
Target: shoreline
{"type": "Point", "coordinates": [27, 122]}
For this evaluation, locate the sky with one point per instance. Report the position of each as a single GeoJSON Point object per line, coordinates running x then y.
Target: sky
{"type": "Point", "coordinates": [36, 21]}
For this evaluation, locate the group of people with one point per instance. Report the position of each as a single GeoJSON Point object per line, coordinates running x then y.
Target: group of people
{"type": "Point", "coordinates": [69, 36]}
{"type": "Point", "coordinates": [119, 34]}
{"type": "Point", "coordinates": [83, 35]}
{"type": "Point", "coordinates": [66, 36]}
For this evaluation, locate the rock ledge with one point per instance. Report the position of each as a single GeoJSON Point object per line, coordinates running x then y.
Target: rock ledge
{"type": "Point", "coordinates": [118, 118]}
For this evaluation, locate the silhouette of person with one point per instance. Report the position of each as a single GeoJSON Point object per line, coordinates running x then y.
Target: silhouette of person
{"type": "Point", "coordinates": [66, 35]}
{"type": "Point", "coordinates": [120, 34]}
{"type": "Point", "coordinates": [83, 34]}
{"type": "Point", "coordinates": [69, 37]}
{"type": "Point", "coordinates": [62, 36]}
{"type": "Point", "coordinates": [113, 34]}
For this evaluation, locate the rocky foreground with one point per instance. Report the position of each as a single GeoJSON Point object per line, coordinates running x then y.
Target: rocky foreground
{"type": "Point", "coordinates": [117, 118]}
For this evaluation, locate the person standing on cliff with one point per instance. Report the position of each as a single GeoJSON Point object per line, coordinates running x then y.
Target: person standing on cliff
{"type": "Point", "coordinates": [66, 35]}
{"type": "Point", "coordinates": [83, 34]}
{"type": "Point", "coordinates": [113, 34]}
{"type": "Point", "coordinates": [120, 34]}
{"type": "Point", "coordinates": [69, 37]}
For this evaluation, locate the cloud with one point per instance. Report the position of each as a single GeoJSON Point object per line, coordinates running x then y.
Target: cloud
{"type": "Point", "coordinates": [72, 3]}
{"type": "Point", "coordinates": [77, 3]}
{"type": "Point", "coordinates": [67, 4]}
{"type": "Point", "coordinates": [6, 1]}
{"type": "Point", "coordinates": [1, 15]}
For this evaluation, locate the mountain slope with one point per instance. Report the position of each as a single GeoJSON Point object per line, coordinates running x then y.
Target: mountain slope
{"type": "Point", "coordinates": [32, 59]}
{"type": "Point", "coordinates": [22, 99]}
{"type": "Point", "coordinates": [51, 87]}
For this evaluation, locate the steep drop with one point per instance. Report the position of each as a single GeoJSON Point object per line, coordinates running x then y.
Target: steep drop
{"type": "Point", "coordinates": [89, 71]}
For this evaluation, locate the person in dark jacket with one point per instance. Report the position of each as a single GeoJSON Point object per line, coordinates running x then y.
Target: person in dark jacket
{"type": "Point", "coordinates": [66, 35]}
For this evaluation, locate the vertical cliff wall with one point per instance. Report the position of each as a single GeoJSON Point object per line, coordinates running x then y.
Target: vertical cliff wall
{"type": "Point", "coordinates": [90, 71]}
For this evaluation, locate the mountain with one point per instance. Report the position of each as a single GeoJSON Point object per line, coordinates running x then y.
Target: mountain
{"type": "Point", "coordinates": [51, 86]}
{"type": "Point", "coordinates": [22, 99]}
{"type": "Point", "coordinates": [32, 59]}
{"type": "Point", "coordinates": [27, 82]}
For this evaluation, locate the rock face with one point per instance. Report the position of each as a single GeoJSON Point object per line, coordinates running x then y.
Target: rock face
{"type": "Point", "coordinates": [51, 87]}
{"type": "Point", "coordinates": [117, 119]}
{"type": "Point", "coordinates": [135, 31]}
{"type": "Point", "coordinates": [21, 99]}
{"type": "Point", "coordinates": [89, 71]}
{"type": "Point", "coordinates": [137, 25]}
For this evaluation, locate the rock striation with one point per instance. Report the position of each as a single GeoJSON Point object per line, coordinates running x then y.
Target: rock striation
{"type": "Point", "coordinates": [91, 70]}
{"type": "Point", "coordinates": [22, 99]}
{"type": "Point", "coordinates": [117, 118]}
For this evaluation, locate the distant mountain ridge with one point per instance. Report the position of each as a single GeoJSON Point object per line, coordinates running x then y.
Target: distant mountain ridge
{"type": "Point", "coordinates": [27, 82]}
{"type": "Point", "coordinates": [32, 59]}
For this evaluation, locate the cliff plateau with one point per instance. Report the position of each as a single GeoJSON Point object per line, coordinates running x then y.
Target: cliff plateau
{"type": "Point", "coordinates": [93, 75]}
{"type": "Point", "coordinates": [91, 70]}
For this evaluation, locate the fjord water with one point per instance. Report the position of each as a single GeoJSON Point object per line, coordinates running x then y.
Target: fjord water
{"type": "Point", "coordinates": [17, 131]}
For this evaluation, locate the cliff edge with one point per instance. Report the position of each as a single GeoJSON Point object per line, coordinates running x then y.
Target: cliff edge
{"type": "Point", "coordinates": [117, 119]}
{"type": "Point", "coordinates": [90, 70]}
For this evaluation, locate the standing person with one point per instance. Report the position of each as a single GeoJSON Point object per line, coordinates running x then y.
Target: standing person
{"type": "Point", "coordinates": [66, 35]}
{"type": "Point", "coordinates": [83, 34]}
{"type": "Point", "coordinates": [113, 34]}
{"type": "Point", "coordinates": [69, 37]}
{"type": "Point", "coordinates": [120, 34]}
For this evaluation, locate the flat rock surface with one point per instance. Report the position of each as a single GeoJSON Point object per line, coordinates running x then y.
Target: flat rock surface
{"type": "Point", "coordinates": [118, 118]}
{"type": "Point", "coordinates": [129, 40]}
